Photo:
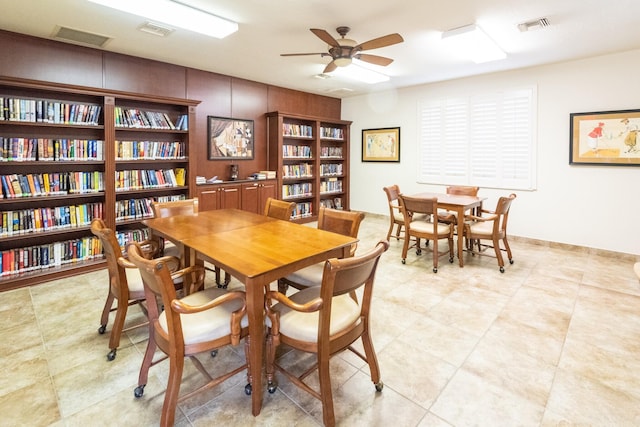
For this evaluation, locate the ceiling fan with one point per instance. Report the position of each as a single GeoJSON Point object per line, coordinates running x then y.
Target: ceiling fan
{"type": "Point", "coordinates": [343, 50]}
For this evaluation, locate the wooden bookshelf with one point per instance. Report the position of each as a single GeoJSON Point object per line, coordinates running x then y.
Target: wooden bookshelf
{"type": "Point", "coordinates": [311, 158]}
{"type": "Point", "coordinates": [65, 142]}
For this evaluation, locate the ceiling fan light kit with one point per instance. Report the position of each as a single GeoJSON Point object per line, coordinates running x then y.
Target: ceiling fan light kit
{"type": "Point", "coordinates": [473, 43]}
{"type": "Point", "coordinates": [343, 51]}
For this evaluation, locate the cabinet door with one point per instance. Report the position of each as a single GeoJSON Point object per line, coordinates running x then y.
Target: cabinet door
{"type": "Point", "coordinates": [268, 189]}
{"type": "Point", "coordinates": [250, 199]}
{"type": "Point", "coordinates": [230, 197]}
{"type": "Point", "coordinates": [208, 200]}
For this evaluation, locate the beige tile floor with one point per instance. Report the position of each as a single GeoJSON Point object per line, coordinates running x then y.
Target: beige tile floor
{"type": "Point", "coordinates": [551, 342]}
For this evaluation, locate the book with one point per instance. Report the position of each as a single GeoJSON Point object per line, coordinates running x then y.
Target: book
{"type": "Point", "coordinates": [180, 174]}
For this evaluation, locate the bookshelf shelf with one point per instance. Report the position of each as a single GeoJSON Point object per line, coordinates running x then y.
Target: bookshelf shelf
{"type": "Point", "coordinates": [320, 148]}
{"type": "Point", "coordinates": [62, 140]}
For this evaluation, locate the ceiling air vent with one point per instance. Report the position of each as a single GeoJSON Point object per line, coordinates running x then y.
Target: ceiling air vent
{"type": "Point", "coordinates": [155, 29]}
{"type": "Point", "coordinates": [536, 23]}
{"type": "Point", "coordinates": [83, 37]}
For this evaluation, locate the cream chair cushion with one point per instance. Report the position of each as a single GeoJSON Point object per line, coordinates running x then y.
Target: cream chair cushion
{"type": "Point", "coordinates": [304, 326]}
{"type": "Point", "coordinates": [427, 227]}
{"type": "Point", "coordinates": [309, 276]}
{"type": "Point", "coordinates": [636, 268]}
{"type": "Point", "coordinates": [209, 324]}
{"type": "Point", "coordinates": [134, 280]}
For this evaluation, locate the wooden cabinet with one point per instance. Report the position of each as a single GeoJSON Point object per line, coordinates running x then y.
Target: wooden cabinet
{"type": "Point", "coordinates": [60, 149]}
{"type": "Point", "coordinates": [256, 193]}
{"type": "Point", "coordinates": [311, 158]}
{"type": "Point", "coordinates": [219, 196]}
{"type": "Point", "coordinates": [246, 195]}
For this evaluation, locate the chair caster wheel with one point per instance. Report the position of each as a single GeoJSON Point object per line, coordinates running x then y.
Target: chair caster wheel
{"type": "Point", "coordinates": [248, 389]}
{"type": "Point", "coordinates": [379, 386]}
{"type": "Point", "coordinates": [111, 355]}
{"type": "Point", "coordinates": [139, 391]}
{"type": "Point", "coordinates": [102, 329]}
{"type": "Point", "coordinates": [404, 261]}
{"type": "Point", "coordinates": [451, 260]}
{"type": "Point", "coordinates": [435, 270]}
{"type": "Point", "coordinates": [501, 269]}
{"type": "Point", "coordinates": [214, 353]}
{"type": "Point", "coordinates": [272, 387]}
{"type": "Point", "coordinates": [418, 251]}
{"type": "Point", "coordinates": [510, 261]}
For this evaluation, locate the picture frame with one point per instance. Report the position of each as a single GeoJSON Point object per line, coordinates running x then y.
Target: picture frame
{"type": "Point", "coordinates": [605, 138]}
{"type": "Point", "coordinates": [230, 138]}
{"type": "Point", "coordinates": [381, 145]}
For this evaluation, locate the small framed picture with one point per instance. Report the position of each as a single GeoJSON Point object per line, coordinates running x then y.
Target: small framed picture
{"type": "Point", "coordinates": [381, 145]}
{"type": "Point", "coordinates": [229, 138]}
{"type": "Point", "coordinates": [607, 138]}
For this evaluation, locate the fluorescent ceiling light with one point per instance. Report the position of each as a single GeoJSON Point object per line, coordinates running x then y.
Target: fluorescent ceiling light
{"type": "Point", "coordinates": [361, 74]}
{"type": "Point", "coordinates": [473, 43]}
{"type": "Point", "coordinates": [176, 14]}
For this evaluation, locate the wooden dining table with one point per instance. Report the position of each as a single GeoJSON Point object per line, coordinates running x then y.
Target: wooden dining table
{"type": "Point", "coordinates": [458, 204]}
{"type": "Point", "coordinates": [255, 249]}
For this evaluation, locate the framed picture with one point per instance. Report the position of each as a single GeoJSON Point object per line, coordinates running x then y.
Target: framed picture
{"type": "Point", "coordinates": [381, 145]}
{"type": "Point", "coordinates": [605, 138]}
{"type": "Point", "coordinates": [229, 138]}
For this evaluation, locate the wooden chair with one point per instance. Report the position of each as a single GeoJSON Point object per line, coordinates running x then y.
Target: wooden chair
{"type": "Point", "coordinates": [279, 209]}
{"type": "Point", "coordinates": [426, 227]}
{"type": "Point", "coordinates": [492, 225]}
{"type": "Point", "coordinates": [460, 190]}
{"type": "Point", "coordinates": [183, 207]}
{"type": "Point", "coordinates": [346, 223]}
{"type": "Point", "coordinates": [396, 218]}
{"type": "Point", "coordinates": [325, 320]}
{"type": "Point", "coordinates": [125, 284]}
{"type": "Point", "coordinates": [200, 322]}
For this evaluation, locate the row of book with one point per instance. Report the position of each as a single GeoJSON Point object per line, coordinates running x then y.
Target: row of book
{"type": "Point", "coordinates": [327, 169]}
{"type": "Point", "coordinates": [39, 257]}
{"type": "Point", "coordinates": [289, 129]}
{"type": "Point", "coordinates": [331, 133]}
{"type": "Point", "coordinates": [138, 119]}
{"type": "Point", "coordinates": [139, 179]}
{"type": "Point", "coordinates": [300, 189]}
{"type": "Point", "coordinates": [302, 170]}
{"type": "Point", "coordinates": [302, 210]}
{"type": "Point", "coordinates": [48, 111]}
{"type": "Point", "coordinates": [36, 220]}
{"type": "Point", "coordinates": [296, 151]}
{"type": "Point", "coordinates": [331, 152]}
{"type": "Point", "coordinates": [150, 150]}
{"type": "Point", "coordinates": [134, 235]}
{"type": "Point", "coordinates": [335, 203]}
{"type": "Point", "coordinates": [141, 208]}
{"type": "Point", "coordinates": [49, 150]}
{"type": "Point", "coordinates": [331, 185]}
{"type": "Point", "coordinates": [54, 183]}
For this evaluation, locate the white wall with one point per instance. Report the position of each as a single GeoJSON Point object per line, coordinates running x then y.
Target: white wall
{"type": "Point", "coordinates": [593, 206]}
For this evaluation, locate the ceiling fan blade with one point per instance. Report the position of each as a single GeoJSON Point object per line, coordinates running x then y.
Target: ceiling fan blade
{"type": "Point", "coordinates": [325, 37]}
{"type": "Point", "coordinates": [331, 66]}
{"type": "Point", "coordinates": [374, 59]}
{"type": "Point", "coordinates": [383, 41]}
{"type": "Point", "coordinates": [305, 54]}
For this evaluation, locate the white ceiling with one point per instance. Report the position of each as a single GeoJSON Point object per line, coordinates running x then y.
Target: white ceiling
{"type": "Point", "coordinates": [267, 28]}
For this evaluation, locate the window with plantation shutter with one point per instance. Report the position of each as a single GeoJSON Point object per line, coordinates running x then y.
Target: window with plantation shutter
{"type": "Point", "coordinates": [485, 140]}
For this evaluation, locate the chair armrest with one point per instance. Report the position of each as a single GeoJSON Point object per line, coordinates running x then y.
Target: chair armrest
{"type": "Point", "coordinates": [491, 217]}
{"type": "Point", "coordinates": [308, 307]}
{"type": "Point", "coordinates": [150, 248]}
{"type": "Point", "coordinates": [183, 308]}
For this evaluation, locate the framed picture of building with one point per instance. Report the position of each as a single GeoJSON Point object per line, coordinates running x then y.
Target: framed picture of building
{"type": "Point", "coordinates": [229, 138]}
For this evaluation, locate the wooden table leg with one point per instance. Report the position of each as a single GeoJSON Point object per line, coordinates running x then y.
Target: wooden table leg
{"type": "Point", "coordinates": [255, 307]}
{"type": "Point", "coordinates": [460, 221]}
